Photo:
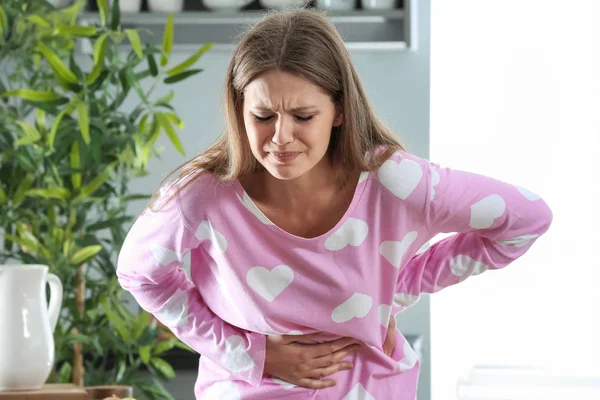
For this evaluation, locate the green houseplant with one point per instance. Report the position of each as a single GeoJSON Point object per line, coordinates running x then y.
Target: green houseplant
{"type": "Point", "coordinates": [67, 153]}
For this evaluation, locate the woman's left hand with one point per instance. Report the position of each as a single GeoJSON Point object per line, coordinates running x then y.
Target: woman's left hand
{"type": "Point", "coordinates": [390, 339]}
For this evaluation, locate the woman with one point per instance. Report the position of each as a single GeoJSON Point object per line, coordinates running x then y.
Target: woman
{"type": "Point", "coordinates": [306, 217]}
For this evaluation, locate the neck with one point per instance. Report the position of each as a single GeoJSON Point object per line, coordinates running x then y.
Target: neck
{"type": "Point", "coordinates": [304, 190]}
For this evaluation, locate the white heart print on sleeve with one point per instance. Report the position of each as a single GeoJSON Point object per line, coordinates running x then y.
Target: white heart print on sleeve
{"type": "Point", "coordinates": [352, 232]}
{"type": "Point", "coordinates": [205, 231]}
{"type": "Point", "coordinates": [223, 390]}
{"type": "Point", "coordinates": [400, 179]}
{"type": "Point", "coordinates": [236, 358]}
{"type": "Point", "coordinates": [358, 392]}
{"type": "Point", "coordinates": [485, 211]}
{"type": "Point", "coordinates": [174, 312]}
{"type": "Point", "coordinates": [464, 266]}
{"type": "Point", "coordinates": [269, 284]}
{"type": "Point", "coordinates": [357, 306]}
{"type": "Point", "coordinates": [165, 256]}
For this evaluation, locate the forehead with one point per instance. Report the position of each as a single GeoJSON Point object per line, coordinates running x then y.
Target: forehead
{"type": "Point", "coordinates": [276, 87]}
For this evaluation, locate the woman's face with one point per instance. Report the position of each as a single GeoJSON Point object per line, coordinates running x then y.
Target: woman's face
{"type": "Point", "coordinates": [288, 121]}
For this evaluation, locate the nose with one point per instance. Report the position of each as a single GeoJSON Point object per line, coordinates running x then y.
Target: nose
{"type": "Point", "coordinates": [284, 131]}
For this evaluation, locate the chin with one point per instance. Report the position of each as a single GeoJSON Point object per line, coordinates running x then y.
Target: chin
{"type": "Point", "coordinates": [286, 173]}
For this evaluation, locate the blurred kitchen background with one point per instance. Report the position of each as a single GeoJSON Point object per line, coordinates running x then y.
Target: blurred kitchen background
{"type": "Point", "coordinates": [510, 89]}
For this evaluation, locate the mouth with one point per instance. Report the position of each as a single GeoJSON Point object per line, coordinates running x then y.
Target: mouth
{"type": "Point", "coordinates": [284, 156]}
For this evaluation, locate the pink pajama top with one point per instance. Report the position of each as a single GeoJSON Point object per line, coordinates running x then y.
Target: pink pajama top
{"type": "Point", "coordinates": [249, 278]}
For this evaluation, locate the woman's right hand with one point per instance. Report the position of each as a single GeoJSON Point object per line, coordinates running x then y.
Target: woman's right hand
{"type": "Point", "coordinates": [305, 364]}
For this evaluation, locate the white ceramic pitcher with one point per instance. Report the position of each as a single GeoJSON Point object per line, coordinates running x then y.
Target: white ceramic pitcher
{"type": "Point", "coordinates": [27, 325]}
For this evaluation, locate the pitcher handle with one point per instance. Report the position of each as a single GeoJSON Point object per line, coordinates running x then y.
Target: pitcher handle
{"type": "Point", "coordinates": [56, 296]}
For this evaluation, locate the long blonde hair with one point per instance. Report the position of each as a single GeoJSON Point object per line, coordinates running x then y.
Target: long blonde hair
{"type": "Point", "coordinates": [305, 43]}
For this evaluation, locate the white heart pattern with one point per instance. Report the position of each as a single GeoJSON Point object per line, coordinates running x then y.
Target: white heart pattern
{"type": "Point", "coordinates": [405, 299]}
{"type": "Point", "coordinates": [284, 384]}
{"type": "Point", "coordinates": [353, 232]}
{"type": "Point", "coordinates": [519, 241]}
{"type": "Point", "coordinates": [357, 306]}
{"type": "Point", "coordinates": [529, 195]}
{"type": "Point", "coordinates": [485, 211]}
{"type": "Point", "coordinates": [358, 393]}
{"type": "Point", "coordinates": [205, 231]}
{"type": "Point", "coordinates": [165, 256]}
{"type": "Point", "coordinates": [236, 358]}
{"type": "Point", "coordinates": [464, 266]}
{"type": "Point", "coordinates": [223, 390]}
{"type": "Point", "coordinates": [247, 201]}
{"type": "Point", "coordinates": [174, 312]}
{"type": "Point", "coordinates": [435, 179]}
{"type": "Point", "coordinates": [409, 359]}
{"type": "Point", "coordinates": [393, 251]}
{"type": "Point", "coordinates": [269, 284]}
{"type": "Point", "coordinates": [383, 312]}
{"type": "Point", "coordinates": [400, 179]}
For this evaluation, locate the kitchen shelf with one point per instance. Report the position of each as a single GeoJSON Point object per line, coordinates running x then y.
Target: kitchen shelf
{"type": "Point", "coordinates": [361, 29]}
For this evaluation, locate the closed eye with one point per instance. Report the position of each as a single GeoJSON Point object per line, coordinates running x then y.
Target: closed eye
{"type": "Point", "coordinates": [298, 117]}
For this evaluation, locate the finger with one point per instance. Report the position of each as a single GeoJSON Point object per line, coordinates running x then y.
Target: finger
{"type": "Point", "coordinates": [323, 372]}
{"type": "Point", "coordinates": [315, 383]}
{"type": "Point", "coordinates": [390, 339]}
{"type": "Point", "coordinates": [322, 349]}
{"type": "Point", "coordinates": [333, 358]}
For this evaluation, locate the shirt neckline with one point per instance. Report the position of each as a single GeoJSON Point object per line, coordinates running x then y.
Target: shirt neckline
{"type": "Point", "coordinates": [247, 202]}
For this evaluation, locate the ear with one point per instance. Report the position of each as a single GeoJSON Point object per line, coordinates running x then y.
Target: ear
{"type": "Point", "coordinates": [339, 115]}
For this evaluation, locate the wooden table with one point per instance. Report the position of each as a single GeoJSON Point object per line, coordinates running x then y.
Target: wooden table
{"type": "Point", "coordinates": [48, 392]}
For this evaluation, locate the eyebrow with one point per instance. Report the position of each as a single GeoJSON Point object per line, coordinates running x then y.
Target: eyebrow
{"type": "Point", "coordinates": [295, 109]}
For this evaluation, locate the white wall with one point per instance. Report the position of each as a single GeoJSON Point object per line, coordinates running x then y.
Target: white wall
{"type": "Point", "coordinates": [515, 94]}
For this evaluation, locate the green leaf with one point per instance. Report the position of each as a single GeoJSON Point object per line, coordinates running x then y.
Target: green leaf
{"type": "Point", "coordinates": [184, 346]}
{"type": "Point", "coordinates": [103, 10]}
{"type": "Point", "coordinates": [167, 43]}
{"type": "Point", "coordinates": [133, 82]}
{"type": "Point", "coordinates": [84, 122]}
{"type": "Point", "coordinates": [98, 181]}
{"type": "Point", "coordinates": [32, 95]}
{"type": "Point", "coordinates": [175, 120]}
{"type": "Point", "coordinates": [99, 53]}
{"type": "Point", "coordinates": [3, 198]}
{"type": "Point", "coordinates": [181, 76]}
{"type": "Point", "coordinates": [145, 354]}
{"type": "Point", "coordinates": [3, 21]}
{"type": "Point", "coordinates": [163, 367]}
{"type": "Point", "coordinates": [120, 221]}
{"type": "Point", "coordinates": [170, 131]}
{"type": "Point", "coordinates": [76, 30]}
{"type": "Point", "coordinates": [60, 69]}
{"type": "Point", "coordinates": [49, 193]}
{"type": "Point", "coordinates": [64, 374]}
{"type": "Point", "coordinates": [190, 61]}
{"type": "Point", "coordinates": [56, 123]}
{"type": "Point", "coordinates": [84, 254]}
{"type": "Point", "coordinates": [152, 65]}
{"type": "Point", "coordinates": [38, 20]}
{"type": "Point", "coordinates": [75, 164]}
{"type": "Point", "coordinates": [29, 130]}
{"type": "Point", "coordinates": [116, 16]}
{"type": "Point", "coordinates": [116, 320]}
{"type": "Point", "coordinates": [134, 39]}
{"type": "Point", "coordinates": [141, 325]}
{"type": "Point", "coordinates": [164, 346]}
{"type": "Point", "coordinates": [167, 98]}
{"type": "Point", "coordinates": [23, 187]}
{"type": "Point", "coordinates": [26, 140]}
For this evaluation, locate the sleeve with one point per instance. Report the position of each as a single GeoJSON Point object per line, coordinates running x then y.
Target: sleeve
{"type": "Point", "coordinates": [149, 267]}
{"type": "Point", "coordinates": [494, 224]}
